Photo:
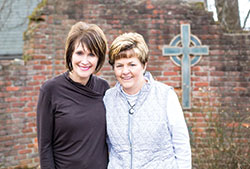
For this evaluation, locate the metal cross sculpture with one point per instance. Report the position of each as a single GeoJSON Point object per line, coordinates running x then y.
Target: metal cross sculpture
{"type": "Point", "coordinates": [185, 44]}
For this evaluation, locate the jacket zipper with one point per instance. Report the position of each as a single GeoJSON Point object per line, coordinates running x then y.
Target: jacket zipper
{"type": "Point", "coordinates": [130, 140]}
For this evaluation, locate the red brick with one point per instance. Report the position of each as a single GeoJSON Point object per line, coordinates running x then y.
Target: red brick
{"type": "Point", "coordinates": [18, 115]}
{"type": "Point", "coordinates": [199, 130]}
{"type": "Point", "coordinates": [11, 99]}
{"type": "Point", "coordinates": [27, 109]}
{"type": "Point", "coordinates": [32, 104]}
{"type": "Point", "coordinates": [216, 52]}
{"type": "Point", "coordinates": [25, 99]}
{"type": "Point", "coordinates": [31, 114]}
{"type": "Point", "coordinates": [31, 124]}
{"type": "Point", "coordinates": [201, 73]}
{"type": "Point", "coordinates": [202, 84]}
{"type": "Point", "coordinates": [175, 78]}
{"type": "Point", "coordinates": [217, 73]}
{"type": "Point", "coordinates": [31, 145]}
{"type": "Point", "coordinates": [18, 147]}
{"type": "Point", "coordinates": [20, 157]}
{"type": "Point", "coordinates": [149, 5]}
{"type": "Point", "coordinates": [162, 78]}
{"type": "Point", "coordinates": [154, 68]}
{"type": "Point", "coordinates": [39, 77]}
{"type": "Point", "coordinates": [33, 83]}
{"type": "Point", "coordinates": [177, 68]}
{"type": "Point", "coordinates": [45, 62]}
{"type": "Point", "coordinates": [25, 151]}
{"type": "Point", "coordinates": [239, 89]}
{"type": "Point", "coordinates": [18, 104]}
{"type": "Point", "coordinates": [196, 68]}
{"type": "Point", "coordinates": [27, 130]}
{"type": "Point", "coordinates": [12, 88]}
{"type": "Point", "coordinates": [171, 84]}
{"type": "Point", "coordinates": [170, 73]}
{"type": "Point", "coordinates": [195, 79]}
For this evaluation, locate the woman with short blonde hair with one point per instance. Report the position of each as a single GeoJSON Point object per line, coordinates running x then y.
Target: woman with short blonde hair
{"type": "Point", "coordinates": [145, 123]}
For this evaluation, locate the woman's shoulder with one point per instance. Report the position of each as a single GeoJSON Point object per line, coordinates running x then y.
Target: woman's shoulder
{"type": "Point", "coordinates": [51, 84]}
{"type": "Point", "coordinates": [100, 84]}
{"type": "Point", "coordinates": [110, 97]}
{"type": "Point", "coordinates": [100, 80]}
{"type": "Point", "coordinates": [162, 86]}
{"type": "Point", "coordinates": [111, 92]}
{"type": "Point", "coordinates": [156, 85]}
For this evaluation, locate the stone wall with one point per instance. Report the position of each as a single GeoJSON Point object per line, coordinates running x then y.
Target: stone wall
{"type": "Point", "coordinates": [220, 81]}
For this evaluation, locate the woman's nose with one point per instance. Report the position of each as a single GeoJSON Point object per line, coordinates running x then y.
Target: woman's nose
{"type": "Point", "coordinates": [84, 59]}
{"type": "Point", "coordinates": [125, 70]}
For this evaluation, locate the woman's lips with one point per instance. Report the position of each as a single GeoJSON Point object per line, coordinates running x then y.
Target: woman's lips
{"type": "Point", "coordinates": [127, 78]}
{"type": "Point", "coordinates": [84, 68]}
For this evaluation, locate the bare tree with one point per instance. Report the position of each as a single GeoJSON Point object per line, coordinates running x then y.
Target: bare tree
{"type": "Point", "coordinates": [245, 20]}
{"type": "Point", "coordinates": [228, 14]}
{"type": "Point", "coordinates": [5, 12]}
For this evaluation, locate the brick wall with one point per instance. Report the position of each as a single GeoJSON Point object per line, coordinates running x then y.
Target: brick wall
{"type": "Point", "coordinates": [220, 82]}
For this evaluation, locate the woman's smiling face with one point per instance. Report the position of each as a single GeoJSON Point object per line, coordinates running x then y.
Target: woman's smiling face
{"type": "Point", "coordinates": [129, 72]}
{"type": "Point", "coordinates": [84, 64]}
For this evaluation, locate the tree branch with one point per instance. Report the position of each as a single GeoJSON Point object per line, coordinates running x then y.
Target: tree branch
{"type": "Point", "coordinates": [245, 21]}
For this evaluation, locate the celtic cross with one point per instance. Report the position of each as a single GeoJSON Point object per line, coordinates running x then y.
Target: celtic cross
{"type": "Point", "coordinates": [185, 45]}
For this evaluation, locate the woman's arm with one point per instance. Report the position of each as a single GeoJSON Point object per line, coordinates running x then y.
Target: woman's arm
{"type": "Point", "coordinates": [179, 131]}
{"type": "Point", "coordinates": [45, 130]}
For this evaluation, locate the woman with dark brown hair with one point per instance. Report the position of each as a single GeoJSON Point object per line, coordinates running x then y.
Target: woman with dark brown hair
{"type": "Point", "coordinates": [70, 111]}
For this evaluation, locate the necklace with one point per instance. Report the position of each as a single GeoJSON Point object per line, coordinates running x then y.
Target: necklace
{"type": "Point", "coordinates": [131, 100]}
{"type": "Point", "coordinates": [131, 108]}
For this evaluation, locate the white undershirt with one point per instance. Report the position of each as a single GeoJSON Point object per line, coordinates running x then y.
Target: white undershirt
{"type": "Point", "coordinates": [131, 98]}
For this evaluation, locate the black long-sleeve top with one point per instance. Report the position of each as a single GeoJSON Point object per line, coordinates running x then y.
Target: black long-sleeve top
{"type": "Point", "coordinates": [71, 124]}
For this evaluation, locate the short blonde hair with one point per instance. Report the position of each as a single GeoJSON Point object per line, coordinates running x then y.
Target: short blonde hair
{"type": "Point", "coordinates": [89, 35]}
{"type": "Point", "coordinates": [128, 45]}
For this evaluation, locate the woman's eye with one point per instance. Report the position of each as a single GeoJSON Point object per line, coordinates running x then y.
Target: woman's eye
{"type": "Point", "coordinates": [92, 55]}
{"type": "Point", "coordinates": [118, 66]}
{"type": "Point", "coordinates": [79, 53]}
{"type": "Point", "coordinates": [133, 64]}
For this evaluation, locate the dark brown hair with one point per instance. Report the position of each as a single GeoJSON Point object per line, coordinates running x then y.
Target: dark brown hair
{"type": "Point", "coordinates": [89, 35]}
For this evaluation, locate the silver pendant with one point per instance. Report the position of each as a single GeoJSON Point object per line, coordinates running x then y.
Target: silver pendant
{"type": "Point", "coordinates": [131, 111]}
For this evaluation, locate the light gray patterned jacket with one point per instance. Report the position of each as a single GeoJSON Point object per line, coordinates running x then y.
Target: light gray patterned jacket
{"type": "Point", "coordinates": [142, 140]}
